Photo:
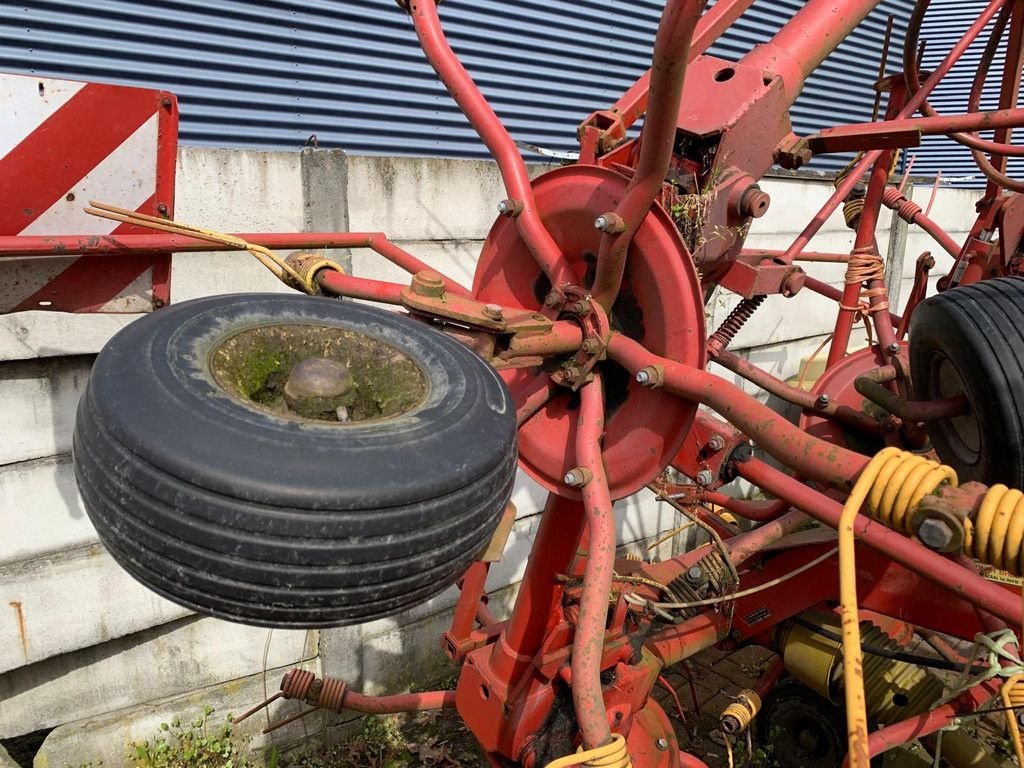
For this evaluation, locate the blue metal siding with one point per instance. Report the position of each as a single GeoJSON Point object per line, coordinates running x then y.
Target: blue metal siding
{"type": "Point", "coordinates": [274, 73]}
{"type": "Point", "coordinates": [944, 25]}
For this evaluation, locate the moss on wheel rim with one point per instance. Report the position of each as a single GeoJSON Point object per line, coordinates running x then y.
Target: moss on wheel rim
{"type": "Point", "coordinates": [253, 365]}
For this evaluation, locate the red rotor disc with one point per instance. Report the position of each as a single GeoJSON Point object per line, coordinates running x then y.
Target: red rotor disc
{"type": "Point", "coordinates": [660, 305]}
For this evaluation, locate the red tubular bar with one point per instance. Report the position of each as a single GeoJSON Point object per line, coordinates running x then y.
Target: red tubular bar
{"type": "Point", "coordinates": [929, 126]}
{"type": "Point", "coordinates": [340, 284]}
{"type": "Point", "coordinates": [403, 702]}
{"type": "Point", "coordinates": [807, 39]}
{"type": "Point", "coordinates": [16, 246]}
{"type": "Point", "coordinates": [965, 584]}
{"type": "Point", "coordinates": [811, 458]}
{"type": "Point", "coordinates": [748, 544]}
{"type": "Point", "coordinates": [682, 641]}
{"type": "Point", "coordinates": [588, 645]}
{"type": "Point", "coordinates": [831, 292]}
{"type": "Point", "coordinates": [533, 397]}
{"type": "Point", "coordinates": [759, 511]}
{"type": "Point", "coordinates": [929, 722]}
{"type": "Point", "coordinates": [854, 176]}
{"type": "Point", "coordinates": [633, 103]}
{"type": "Point", "coordinates": [671, 57]}
{"type": "Point", "coordinates": [912, 213]}
{"type": "Point", "coordinates": [500, 144]}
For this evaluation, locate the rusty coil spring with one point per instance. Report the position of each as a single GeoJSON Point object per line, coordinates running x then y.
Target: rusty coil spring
{"type": "Point", "coordinates": [332, 694]}
{"type": "Point", "coordinates": [734, 322]}
{"type": "Point", "coordinates": [296, 683]}
{"type": "Point", "coordinates": [852, 209]}
{"type": "Point", "coordinates": [906, 209]}
{"type": "Point", "coordinates": [865, 265]}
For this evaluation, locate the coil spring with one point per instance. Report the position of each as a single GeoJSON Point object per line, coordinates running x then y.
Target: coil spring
{"type": "Point", "coordinates": [1012, 694]}
{"type": "Point", "coordinates": [905, 209]}
{"type": "Point", "coordinates": [613, 755]}
{"type": "Point", "coordinates": [852, 210]}
{"type": "Point", "coordinates": [296, 683]}
{"type": "Point", "coordinates": [996, 534]}
{"type": "Point", "coordinates": [332, 694]}
{"type": "Point", "coordinates": [738, 716]}
{"type": "Point", "coordinates": [739, 316]}
{"type": "Point", "coordinates": [903, 480]}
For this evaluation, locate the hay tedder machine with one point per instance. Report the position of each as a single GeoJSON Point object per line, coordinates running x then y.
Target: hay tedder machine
{"type": "Point", "coordinates": [324, 462]}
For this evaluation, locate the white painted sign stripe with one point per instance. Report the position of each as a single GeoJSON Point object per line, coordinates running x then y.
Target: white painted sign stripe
{"type": "Point", "coordinates": [26, 103]}
{"type": "Point", "coordinates": [126, 178]}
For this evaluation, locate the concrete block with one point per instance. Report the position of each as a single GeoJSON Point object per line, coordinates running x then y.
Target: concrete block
{"type": "Point", "coordinates": [60, 603]}
{"type": "Point", "coordinates": [325, 196]}
{"type": "Point", "coordinates": [418, 198]}
{"type": "Point", "coordinates": [234, 191]}
{"type": "Point", "coordinates": [38, 400]}
{"type": "Point", "coordinates": [182, 656]}
{"type": "Point", "coordinates": [40, 509]}
{"type": "Point", "coordinates": [30, 335]}
{"type": "Point", "coordinates": [106, 739]}
{"type": "Point", "coordinates": [6, 761]}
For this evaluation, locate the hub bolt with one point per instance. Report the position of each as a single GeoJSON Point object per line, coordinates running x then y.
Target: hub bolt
{"type": "Point", "coordinates": [317, 387]}
{"type": "Point", "coordinates": [591, 346]}
{"type": "Point", "coordinates": [554, 299]}
{"type": "Point", "coordinates": [935, 534]}
{"type": "Point", "coordinates": [610, 223]}
{"type": "Point", "coordinates": [695, 576]}
{"type": "Point", "coordinates": [578, 477]}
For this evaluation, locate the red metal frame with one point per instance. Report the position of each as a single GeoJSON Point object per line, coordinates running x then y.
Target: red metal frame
{"type": "Point", "coordinates": [602, 340]}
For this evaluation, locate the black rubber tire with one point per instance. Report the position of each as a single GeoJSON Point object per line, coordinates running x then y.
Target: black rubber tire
{"type": "Point", "coordinates": [971, 340]}
{"type": "Point", "coordinates": [800, 729]}
{"type": "Point", "coordinates": [237, 513]}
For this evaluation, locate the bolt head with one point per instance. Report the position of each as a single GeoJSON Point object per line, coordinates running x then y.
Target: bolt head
{"type": "Point", "coordinates": [591, 346]}
{"type": "Point", "coordinates": [695, 576]}
{"type": "Point", "coordinates": [935, 534]}
{"type": "Point", "coordinates": [823, 401]}
{"type": "Point", "coordinates": [503, 206]}
{"type": "Point", "coordinates": [661, 744]}
{"type": "Point", "coordinates": [716, 443]}
{"type": "Point", "coordinates": [553, 299]}
{"type": "Point", "coordinates": [704, 477]}
{"type": "Point", "coordinates": [493, 311]}
{"type": "Point", "coordinates": [893, 349]}
{"type": "Point", "coordinates": [317, 386]}
{"type": "Point", "coordinates": [601, 223]}
{"type": "Point", "coordinates": [643, 377]}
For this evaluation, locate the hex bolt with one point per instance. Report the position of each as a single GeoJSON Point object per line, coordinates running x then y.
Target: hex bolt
{"type": "Point", "coordinates": [704, 477]}
{"type": "Point", "coordinates": [651, 376]}
{"type": "Point", "coordinates": [493, 311]}
{"type": "Point", "coordinates": [554, 299]}
{"type": "Point", "coordinates": [591, 346]}
{"type": "Point", "coordinates": [581, 308]}
{"type": "Point", "coordinates": [661, 744]}
{"type": "Point", "coordinates": [822, 401]}
{"type": "Point", "coordinates": [716, 443]}
{"type": "Point", "coordinates": [510, 208]}
{"type": "Point", "coordinates": [695, 576]}
{"type": "Point", "coordinates": [578, 477]}
{"type": "Point", "coordinates": [317, 387]}
{"type": "Point", "coordinates": [893, 349]}
{"type": "Point", "coordinates": [428, 284]}
{"type": "Point", "coordinates": [935, 534]}
{"type": "Point", "coordinates": [610, 223]}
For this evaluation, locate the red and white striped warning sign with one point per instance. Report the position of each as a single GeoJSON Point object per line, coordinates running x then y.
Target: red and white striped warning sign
{"type": "Point", "coordinates": [63, 143]}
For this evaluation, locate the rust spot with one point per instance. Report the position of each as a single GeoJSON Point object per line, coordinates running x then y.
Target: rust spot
{"type": "Point", "coordinates": [22, 628]}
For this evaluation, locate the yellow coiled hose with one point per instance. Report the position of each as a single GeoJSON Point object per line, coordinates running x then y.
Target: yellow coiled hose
{"type": "Point", "coordinates": [996, 534]}
{"type": "Point", "coordinates": [613, 755]}
{"type": "Point", "coordinates": [1012, 694]}
{"type": "Point", "coordinates": [892, 484]}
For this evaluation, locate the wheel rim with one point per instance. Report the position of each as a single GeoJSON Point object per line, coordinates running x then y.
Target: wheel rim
{"type": "Point", "coordinates": [961, 434]}
{"type": "Point", "coordinates": [366, 379]}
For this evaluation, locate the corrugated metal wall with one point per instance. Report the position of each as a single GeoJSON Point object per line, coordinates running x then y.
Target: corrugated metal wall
{"type": "Point", "coordinates": [944, 25]}
{"type": "Point", "coordinates": [274, 73]}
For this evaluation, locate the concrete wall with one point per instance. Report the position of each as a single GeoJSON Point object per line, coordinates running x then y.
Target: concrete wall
{"type": "Point", "coordinates": [83, 647]}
